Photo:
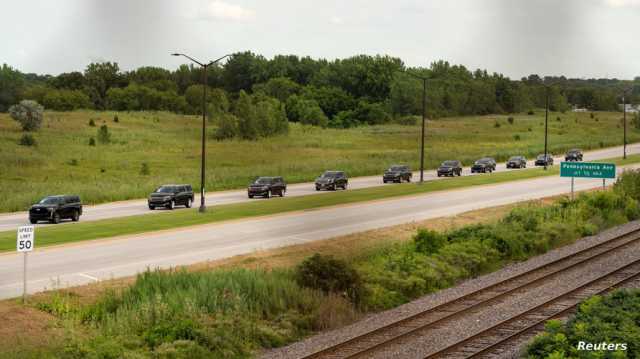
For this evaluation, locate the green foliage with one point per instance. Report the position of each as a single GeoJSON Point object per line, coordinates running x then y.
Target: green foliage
{"type": "Point", "coordinates": [27, 140]}
{"type": "Point", "coordinates": [11, 86]}
{"type": "Point", "coordinates": [614, 318]}
{"type": "Point", "coordinates": [280, 88]}
{"type": "Point", "coordinates": [305, 111]}
{"type": "Point", "coordinates": [28, 113]}
{"type": "Point", "coordinates": [99, 78]}
{"type": "Point", "coordinates": [496, 124]}
{"type": "Point", "coordinates": [516, 137]}
{"type": "Point", "coordinates": [92, 141]}
{"type": "Point", "coordinates": [329, 274]}
{"type": "Point", "coordinates": [247, 117]}
{"type": "Point", "coordinates": [144, 170]}
{"type": "Point", "coordinates": [116, 119]}
{"type": "Point", "coordinates": [104, 136]}
{"type": "Point", "coordinates": [66, 100]}
{"type": "Point", "coordinates": [510, 120]}
{"type": "Point", "coordinates": [137, 97]}
{"type": "Point", "coordinates": [92, 123]}
{"type": "Point", "coordinates": [428, 241]}
{"type": "Point", "coordinates": [227, 127]}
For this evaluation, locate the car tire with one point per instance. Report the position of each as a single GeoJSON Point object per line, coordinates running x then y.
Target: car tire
{"type": "Point", "coordinates": [317, 188]}
{"type": "Point", "coordinates": [250, 196]}
{"type": "Point", "coordinates": [171, 205]}
{"type": "Point", "coordinates": [152, 207]}
{"type": "Point", "coordinates": [56, 218]}
{"type": "Point", "coordinates": [268, 195]}
{"type": "Point", "coordinates": [188, 203]}
{"type": "Point", "coordinates": [75, 216]}
{"type": "Point", "coordinates": [33, 221]}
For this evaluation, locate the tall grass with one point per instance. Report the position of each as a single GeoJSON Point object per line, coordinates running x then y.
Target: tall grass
{"type": "Point", "coordinates": [170, 145]}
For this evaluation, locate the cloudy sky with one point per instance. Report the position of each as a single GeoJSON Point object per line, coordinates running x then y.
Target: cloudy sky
{"type": "Point", "coordinates": [576, 38]}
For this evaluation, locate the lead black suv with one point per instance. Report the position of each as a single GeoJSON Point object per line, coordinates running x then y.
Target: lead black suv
{"type": "Point", "coordinates": [267, 186]}
{"type": "Point", "coordinates": [332, 180]}
{"type": "Point", "coordinates": [397, 173]}
{"type": "Point", "coordinates": [55, 208]}
{"type": "Point", "coordinates": [484, 165]}
{"type": "Point", "coordinates": [542, 161]}
{"type": "Point", "coordinates": [573, 155]}
{"type": "Point", "coordinates": [517, 162]}
{"type": "Point", "coordinates": [450, 168]}
{"type": "Point", "coordinates": [171, 195]}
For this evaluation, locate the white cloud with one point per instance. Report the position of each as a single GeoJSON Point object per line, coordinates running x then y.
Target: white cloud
{"type": "Point", "coordinates": [623, 3]}
{"type": "Point", "coordinates": [224, 11]}
{"type": "Point", "coordinates": [337, 20]}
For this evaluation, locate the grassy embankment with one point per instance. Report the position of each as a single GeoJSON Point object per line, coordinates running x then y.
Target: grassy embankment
{"type": "Point", "coordinates": [234, 313]}
{"type": "Point", "coordinates": [63, 162]}
{"type": "Point", "coordinates": [52, 235]}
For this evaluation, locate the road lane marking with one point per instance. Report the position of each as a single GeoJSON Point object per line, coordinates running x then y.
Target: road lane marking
{"type": "Point", "coordinates": [88, 276]}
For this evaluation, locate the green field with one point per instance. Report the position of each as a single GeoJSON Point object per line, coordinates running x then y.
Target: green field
{"type": "Point", "coordinates": [63, 162]}
{"type": "Point", "coordinates": [52, 235]}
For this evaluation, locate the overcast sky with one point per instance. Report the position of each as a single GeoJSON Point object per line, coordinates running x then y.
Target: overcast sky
{"type": "Point", "coordinates": [576, 38]}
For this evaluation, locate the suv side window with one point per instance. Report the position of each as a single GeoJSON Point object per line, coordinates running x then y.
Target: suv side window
{"type": "Point", "coordinates": [182, 189]}
{"type": "Point", "coordinates": [188, 188]}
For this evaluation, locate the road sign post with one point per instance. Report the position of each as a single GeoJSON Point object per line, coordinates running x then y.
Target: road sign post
{"type": "Point", "coordinates": [587, 170]}
{"type": "Point", "coordinates": [24, 243]}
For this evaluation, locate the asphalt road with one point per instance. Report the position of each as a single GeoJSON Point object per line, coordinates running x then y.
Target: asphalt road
{"type": "Point", "coordinates": [136, 207]}
{"type": "Point", "coordinates": [86, 262]}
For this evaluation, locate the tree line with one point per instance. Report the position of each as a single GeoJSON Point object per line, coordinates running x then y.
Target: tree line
{"type": "Point", "coordinates": [340, 93]}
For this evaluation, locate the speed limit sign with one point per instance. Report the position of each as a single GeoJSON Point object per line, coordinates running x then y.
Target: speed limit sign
{"type": "Point", "coordinates": [26, 237]}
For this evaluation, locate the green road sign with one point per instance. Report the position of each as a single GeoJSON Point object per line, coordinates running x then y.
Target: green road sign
{"type": "Point", "coordinates": [587, 170]}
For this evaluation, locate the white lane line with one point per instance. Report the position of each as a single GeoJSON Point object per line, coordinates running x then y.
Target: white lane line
{"type": "Point", "coordinates": [88, 276]}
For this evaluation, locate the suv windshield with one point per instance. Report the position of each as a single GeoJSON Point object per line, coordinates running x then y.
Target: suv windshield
{"type": "Point", "coordinates": [263, 180]}
{"type": "Point", "coordinates": [166, 189]}
{"type": "Point", "coordinates": [396, 168]}
{"type": "Point", "coordinates": [541, 157]}
{"type": "Point", "coordinates": [50, 200]}
{"type": "Point", "coordinates": [449, 163]}
{"type": "Point", "coordinates": [482, 161]}
{"type": "Point", "coordinates": [515, 158]}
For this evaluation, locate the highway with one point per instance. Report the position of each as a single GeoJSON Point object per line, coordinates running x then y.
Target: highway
{"type": "Point", "coordinates": [91, 261]}
{"type": "Point", "coordinates": [136, 207]}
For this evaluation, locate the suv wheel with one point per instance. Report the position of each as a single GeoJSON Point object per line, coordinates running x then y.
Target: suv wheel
{"type": "Point", "coordinates": [268, 195]}
{"type": "Point", "coordinates": [76, 216]}
{"type": "Point", "coordinates": [152, 207]}
{"type": "Point", "coordinates": [188, 204]}
{"type": "Point", "coordinates": [317, 188]}
{"type": "Point", "coordinates": [250, 196]}
{"type": "Point", "coordinates": [171, 204]}
{"type": "Point", "coordinates": [56, 218]}
{"type": "Point", "coordinates": [33, 221]}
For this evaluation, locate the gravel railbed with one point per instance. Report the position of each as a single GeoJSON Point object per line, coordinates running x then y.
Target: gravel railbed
{"type": "Point", "coordinates": [375, 321]}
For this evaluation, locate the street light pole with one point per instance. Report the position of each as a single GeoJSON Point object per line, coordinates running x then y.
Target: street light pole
{"type": "Point", "coordinates": [624, 125]}
{"type": "Point", "coordinates": [205, 67]}
{"type": "Point", "coordinates": [424, 118]}
{"type": "Point", "coordinates": [546, 128]}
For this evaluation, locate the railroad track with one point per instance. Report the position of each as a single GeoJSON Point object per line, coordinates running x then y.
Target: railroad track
{"type": "Point", "coordinates": [406, 330]}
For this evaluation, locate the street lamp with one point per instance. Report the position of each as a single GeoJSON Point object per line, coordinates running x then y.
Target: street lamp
{"type": "Point", "coordinates": [202, 208]}
{"type": "Point", "coordinates": [624, 121]}
{"type": "Point", "coordinates": [424, 115]}
{"type": "Point", "coordinates": [546, 123]}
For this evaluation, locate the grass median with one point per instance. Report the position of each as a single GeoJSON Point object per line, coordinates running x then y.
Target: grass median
{"type": "Point", "coordinates": [52, 235]}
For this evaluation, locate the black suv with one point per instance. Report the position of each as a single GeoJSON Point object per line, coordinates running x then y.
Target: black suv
{"type": "Point", "coordinates": [397, 173]}
{"type": "Point", "coordinates": [450, 168]}
{"type": "Point", "coordinates": [332, 180]}
{"type": "Point", "coordinates": [267, 186]}
{"type": "Point", "coordinates": [517, 162]}
{"type": "Point", "coordinates": [171, 195]}
{"type": "Point", "coordinates": [541, 161]}
{"type": "Point", "coordinates": [573, 155]}
{"type": "Point", "coordinates": [484, 165]}
{"type": "Point", "coordinates": [55, 208]}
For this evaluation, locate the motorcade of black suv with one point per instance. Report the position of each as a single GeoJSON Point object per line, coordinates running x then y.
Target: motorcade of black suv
{"type": "Point", "coordinates": [332, 180]}
{"type": "Point", "coordinates": [397, 173]}
{"type": "Point", "coordinates": [573, 155]}
{"type": "Point", "coordinates": [450, 168]}
{"type": "Point", "coordinates": [55, 208]}
{"type": "Point", "coordinates": [517, 162]}
{"type": "Point", "coordinates": [171, 195]}
{"type": "Point", "coordinates": [267, 187]}
{"type": "Point", "coordinates": [541, 160]}
{"type": "Point", "coordinates": [484, 165]}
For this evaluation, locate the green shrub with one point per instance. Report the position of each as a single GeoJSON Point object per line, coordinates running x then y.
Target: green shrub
{"type": "Point", "coordinates": [92, 141]}
{"type": "Point", "coordinates": [92, 123]}
{"type": "Point", "coordinates": [558, 119]}
{"type": "Point", "coordinates": [116, 119]}
{"type": "Point", "coordinates": [227, 127]}
{"type": "Point", "coordinates": [510, 120]}
{"type": "Point", "coordinates": [496, 124]}
{"type": "Point", "coordinates": [516, 137]}
{"type": "Point", "coordinates": [28, 113]}
{"type": "Point", "coordinates": [104, 136]}
{"type": "Point", "coordinates": [405, 120]}
{"type": "Point", "coordinates": [144, 170]}
{"type": "Point", "coordinates": [330, 275]}
{"type": "Point", "coordinates": [73, 162]}
{"type": "Point", "coordinates": [27, 140]}
{"type": "Point", "coordinates": [530, 113]}
{"type": "Point", "coordinates": [428, 241]}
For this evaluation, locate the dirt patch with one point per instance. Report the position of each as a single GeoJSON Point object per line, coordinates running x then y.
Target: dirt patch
{"type": "Point", "coordinates": [22, 325]}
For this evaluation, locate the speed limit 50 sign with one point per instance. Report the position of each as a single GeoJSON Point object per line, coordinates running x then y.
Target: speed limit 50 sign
{"type": "Point", "coordinates": [26, 238]}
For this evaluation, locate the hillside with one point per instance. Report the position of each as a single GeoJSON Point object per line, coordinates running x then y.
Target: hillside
{"type": "Point", "coordinates": [63, 161]}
